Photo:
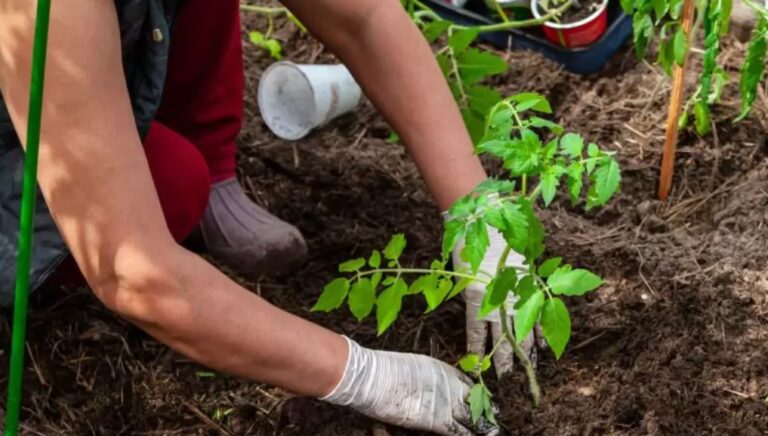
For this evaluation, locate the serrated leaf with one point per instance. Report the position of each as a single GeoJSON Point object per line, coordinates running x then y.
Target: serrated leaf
{"type": "Point", "coordinates": [469, 362]}
{"type": "Point", "coordinates": [527, 315]}
{"type": "Point", "coordinates": [436, 295]}
{"type": "Point", "coordinates": [531, 100]}
{"type": "Point", "coordinates": [546, 124]}
{"type": "Point", "coordinates": [461, 39]}
{"type": "Point", "coordinates": [572, 145]}
{"type": "Point", "coordinates": [493, 186]}
{"type": "Point", "coordinates": [375, 260]}
{"type": "Point", "coordinates": [475, 65]}
{"type": "Point", "coordinates": [395, 247]}
{"type": "Point", "coordinates": [475, 245]}
{"type": "Point", "coordinates": [549, 182]}
{"type": "Point", "coordinates": [388, 305]}
{"type": "Point", "coordinates": [523, 157]}
{"type": "Point", "coordinates": [362, 298]}
{"type": "Point", "coordinates": [680, 47]}
{"type": "Point", "coordinates": [573, 282]}
{"type": "Point", "coordinates": [454, 231]}
{"type": "Point", "coordinates": [423, 283]}
{"type": "Point", "coordinates": [460, 286]}
{"type": "Point", "coordinates": [476, 400]}
{"type": "Point", "coordinates": [575, 182]}
{"type": "Point", "coordinates": [497, 292]}
{"type": "Point", "coordinates": [333, 296]}
{"type": "Point", "coordinates": [534, 245]}
{"type": "Point", "coordinates": [352, 265]}
{"type": "Point", "coordinates": [525, 288]}
{"type": "Point", "coordinates": [495, 147]}
{"type": "Point", "coordinates": [556, 325]}
{"type": "Point", "coordinates": [606, 182]}
{"type": "Point", "coordinates": [516, 232]}
{"type": "Point", "coordinates": [549, 266]}
{"type": "Point", "coordinates": [435, 29]}
{"type": "Point", "coordinates": [753, 69]}
{"type": "Point", "coordinates": [660, 7]}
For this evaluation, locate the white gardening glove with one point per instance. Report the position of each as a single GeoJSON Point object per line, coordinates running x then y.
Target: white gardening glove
{"type": "Point", "coordinates": [407, 390]}
{"type": "Point", "coordinates": [477, 330]}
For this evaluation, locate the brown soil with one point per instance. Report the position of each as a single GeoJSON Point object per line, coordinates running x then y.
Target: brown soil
{"type": "Point", "coordinates": [675, 343]}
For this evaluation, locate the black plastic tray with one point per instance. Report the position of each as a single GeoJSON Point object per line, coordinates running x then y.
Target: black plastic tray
{"type": "Point", "coordinates": [582, 60]}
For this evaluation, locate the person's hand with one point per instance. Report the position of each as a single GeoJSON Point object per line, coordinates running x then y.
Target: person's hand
{"type": "Point", "coordinates": [477, 329]}
{"type": "Point", "coordinates": [407, 390]}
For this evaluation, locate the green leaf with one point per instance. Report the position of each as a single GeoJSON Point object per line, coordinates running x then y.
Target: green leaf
{"type": "Point", "coordinates": [475, 65]}
{"type": "Point", "coordinates": [572, 145]}
{"type": "Point", "coordinates": [435, 29]}
{"type": "Point", "coordinates": [426, 283]}
{"type": "Point", "coordinates": [495, 186]}
{"type": "Point", "coordinates": [333, 296]}
{"type": "Point", "coordinates": [454, 231]}
{"type": "Point", "coordinates": [436, 295]}
{"type": "Point", "coordinates": [481, 99]}
{"type": "Point", "coordinates": [500, 124]}
{"type": "Point", "coordinates": [643, 32]}
{"type": "Point", "coordinates": [476, 399]}
{"type": "Point", "coordinates": [459, 287]}
{"type": "Point", "coordinates": [495, 147]}
{"type": "Point", "coordinates": [753, 69]}
{"type": "Point", "coordinates": [628, 6]}
{"type": "Point", "coordinates": [395, 247]}
{"type": "Point", "coordinates": [256, 37]}
{"type": "Point", "coordinates": [274, 48]}
{"type": "Point", "coordinates": [485, 364]}
{"type": "Point", "coordinates": [549, 182]}
{"type": "Point", "coordinates": [549, 266]}
{"type": "Point", "coordinates": [701, 115]}
{"type": "Point", "coordinates": [720, 80]}
{"type": "Point", "coordinates": [531, 100]}
{"type": "Point", "coordinates": [388, 304]}
{"type": "Point", "coordinates": [516, 233]}
{"type": "Point", "coordinates": [527, 315]}
{"type": "Point", "coordinates": [375, 260]}
{"type": "Point", "coordinates": [680, 47]}
{"type": "Point", "coordinates": [469, 362]}
{"type": "Point", "coordinates": [556, 325]}
{"type": "Point", "coordinates": [573, 282]}
{"type": "Point", "coordinates": [523, 157]}
{"type": "Point", "coordinates": [534, 245]}
{"type": "Point", "coordinates": [525, 288]}
{"type": "Point", "coordinates": [460, 40]}
{"type": "Point", "coordinates": [362, 297]}
{"type": "Point", "coordinates": [475, 245]}
{"type": "Point", "coordinates": [575, 173]}
{"type": "Point", "coordinates": [352, 265]}
{"type": "Point", "coordinates": [546, 124]}
{"type": "Point", "coordinates": [498, 290]}
{"type": "Point", "coordinates": [606, 182]}
{"type": "Point", "coordinates": [682, 123]}
{"type": "Point", "coordinates": [660, 7]}
{"type": "Point", "coordinates": [675, 9]}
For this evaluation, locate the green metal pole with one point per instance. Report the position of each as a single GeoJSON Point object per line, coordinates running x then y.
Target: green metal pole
{"type": "Point", "coordinates": [27, 219]}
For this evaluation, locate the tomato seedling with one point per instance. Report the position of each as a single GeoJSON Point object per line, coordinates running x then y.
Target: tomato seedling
{"type": "Point", "coordinates": [538, 156]}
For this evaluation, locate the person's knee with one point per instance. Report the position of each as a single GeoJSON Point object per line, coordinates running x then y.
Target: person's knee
{"type": "Point", "coordinates": [182, 179]}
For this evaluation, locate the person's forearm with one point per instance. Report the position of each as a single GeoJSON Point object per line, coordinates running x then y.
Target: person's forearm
{"type": "Point", "coordinates": [210, 319]}
{"type": "Point", "coordinates": [396, 68]}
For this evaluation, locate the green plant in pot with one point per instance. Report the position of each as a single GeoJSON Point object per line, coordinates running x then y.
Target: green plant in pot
{"type": "Point", "coordinates": [581, 23]}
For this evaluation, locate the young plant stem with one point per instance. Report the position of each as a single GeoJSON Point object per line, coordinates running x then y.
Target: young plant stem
{"type": "Point", "coordinates": [428, 271]}
{"type": "Point", "coordinates": [500, 11]}
{"type": "Point", "coordinates": [530, 371]}
{"type": "Point", "coordinates": [553, 13]}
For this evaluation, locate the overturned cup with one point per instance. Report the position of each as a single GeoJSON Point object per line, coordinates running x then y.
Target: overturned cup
{"type": "Point", "coordinates": [294, 99]}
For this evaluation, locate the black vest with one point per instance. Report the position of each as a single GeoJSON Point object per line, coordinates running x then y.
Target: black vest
{"type": "Point", "coordinates": [145, 34]}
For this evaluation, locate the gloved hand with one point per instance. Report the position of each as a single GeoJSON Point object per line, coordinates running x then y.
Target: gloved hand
{"type": "Point", "coordinates": [407, 390]}
{"type": "Point", "coordinates": [477, 330]}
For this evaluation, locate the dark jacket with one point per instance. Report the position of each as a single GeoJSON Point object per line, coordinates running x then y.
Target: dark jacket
{"type": "Point", "coordinates": [145, 33]}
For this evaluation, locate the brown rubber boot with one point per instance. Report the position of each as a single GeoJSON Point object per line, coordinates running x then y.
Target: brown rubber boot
{"type": "Point", "coordinates": [247, 238]}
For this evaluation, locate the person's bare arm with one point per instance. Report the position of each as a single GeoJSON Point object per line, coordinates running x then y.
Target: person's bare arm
{"type": "Point", "coordinates": [96, 181]}
{"type": "Point", "coordinates": [396, 68]}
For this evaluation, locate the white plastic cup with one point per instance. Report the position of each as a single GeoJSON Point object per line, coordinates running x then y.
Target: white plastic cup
{"type": "Point", "coordinates": [294, 99]}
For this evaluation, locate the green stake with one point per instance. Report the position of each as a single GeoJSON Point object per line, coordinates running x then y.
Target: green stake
{"type": "Point", "coordinates": [27, 218]}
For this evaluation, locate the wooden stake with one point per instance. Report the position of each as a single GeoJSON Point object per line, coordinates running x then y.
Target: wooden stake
{"type": "Point", "coordinates": [675, 103]}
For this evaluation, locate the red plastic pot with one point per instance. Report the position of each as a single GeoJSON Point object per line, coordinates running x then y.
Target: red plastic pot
{"type": "Point", "coordinates": [579, 34]}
